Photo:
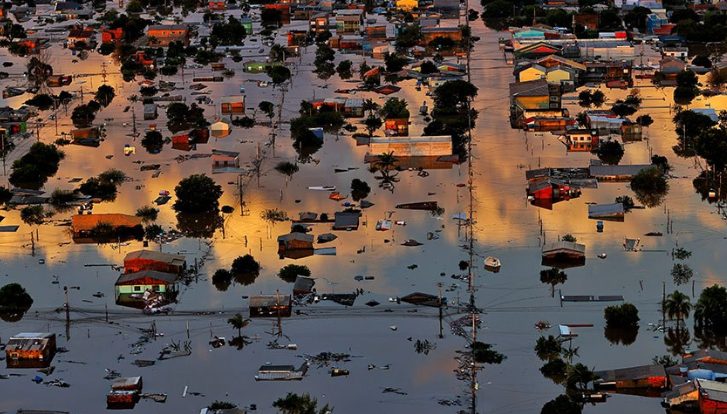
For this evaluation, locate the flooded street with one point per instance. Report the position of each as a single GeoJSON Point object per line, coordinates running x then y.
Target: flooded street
{"type": "Point", "coordinates": [101, 334]}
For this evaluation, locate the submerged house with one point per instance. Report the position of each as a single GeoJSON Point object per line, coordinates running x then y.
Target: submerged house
{"type": "Point", "coordinates": [564, 254]}
{"type": "Point", "coordinates": [262, 306]}
{"type": "Point", "coordinates": [138, 287]}
{"type": "Point", "coordinates": [346, 220]}
{"type": "Point", "coordinates": [712, 396]}
{"type": "Point", "coordinates": [230, 105]}
{"type": "Point", "coordinates": [640, 377]}
{"type": "Point", "coordinates": [153, 260]}
{"type": "Point", "coordinates": [30, 350]}
{"type": "Point", "coordinates": [90, 227]}
{"type": "Point", "coordinates": [615, 172]}
{"type": "Point", "coordinates": [613, 212]}
{"type": "Point", "coordinates": [294, 241]}
{"type": "Point", "coordinates": [125, 393]}
{"type": "Point", "coordinates": [424, 146]}
{"type": "Point", "coordinates": [581, 140]}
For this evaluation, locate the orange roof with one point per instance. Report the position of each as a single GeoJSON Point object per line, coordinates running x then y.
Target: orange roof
{"type": "Point", "coordinates": [86, 222]}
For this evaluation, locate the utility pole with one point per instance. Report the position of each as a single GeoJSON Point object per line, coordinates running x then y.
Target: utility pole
{"type": "Point", "coordinates": [32, 244]}
{"type": "Point", "coordinates": [68, 314]}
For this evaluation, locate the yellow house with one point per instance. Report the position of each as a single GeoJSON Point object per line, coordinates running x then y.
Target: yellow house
{"type": "Point", "coordinates": [407, 5]}
{"type": "Point", "coordinates": [531, 73]}
{"type": "Point", "coordinates": [563, 76]}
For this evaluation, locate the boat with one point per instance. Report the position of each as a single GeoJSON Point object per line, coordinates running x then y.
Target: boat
{"type": "Point", "coordinates": [322, 188]}
{"type": "Point", "coordinates": [337, 372]}
{"type": "Point", "coordinates": [383, 225]}
{"type": "Point", "coordinates": [421, 205]}
{"type": "Point", "coordinates": [411, 243]}
{"type": "Point", "coordinates": [326, 237]}
{"type": "Point", "coordinates": [492, 264]}
{"type": "Point", "coordinates": [337, 196]}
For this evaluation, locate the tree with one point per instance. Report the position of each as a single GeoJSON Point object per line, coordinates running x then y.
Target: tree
{"type": "Point", "coordinates": [14, 298]}
{"type": "Point", "coordinates": [344, 69]}
{"type": "Point", "coordinates": [41, 101]}
{"type": "Point", "coordinates": [197, 194]}
{"type": "Point", "coordinates": [278, 74]}
{"type": "Point", "coordinates": [385, 161]}
{"type": "Point", "coordinates": [222, 279]}
{"type": "Point", "coordinates": [610, 152]}
{"type": "Point", "coordinates": [394, 108]}
{"type": "Point", "coordinates": [372, 123]}
{"type": "Point", "coordinates": [428, 67]}
{"type": "Point", "coordinates": [677, 306]}
{"type": "Point", "coordinates": [584, 98]}
{"type": "Point", "coordinates": [687, 79]}
{"type": "Point", "coordinates": [624, 316]}
{"type": "Point", "coordinates": [268, 108]}
{"type": "Point", "coordinates": [153, 141]}
{"type": "Point", "coordinates": [147, 213]}
{"type": "Point", "coordinates": [684, 95]}
{"type": "Point", "coordinates": [299, 404]}
{"type": "Point", "coordinates": [33, 169]}
{"type": "Point", "coordinates": [681, 273]}
{"type": "Point", "coordinates": [650, 186]}
{"type": "Point", "coordinates": [645, 120]}
{"type": "Point", "coordinates": [712, 146]}
{"type": "Point", "coordinates": [395, 62]}
{"type": "Point", "coordinates": [579, 376]}
{"type": "Point", "coordinates": [409, 36]}
{"type": "Point", "coordinates": [561, 404]}
{"type": "Point", "coordinates": [569, 238]}
{"type": "Point", "coordinates": [32, 215]}
{"type": "Point", "coordinates": [238, 322]}
{"type": "Point", "coordinates": [622, 109]}
{"type": "Point", "coordinates": [105, 94]}
{"type": "Point", "coordinates": [484, 354]}
{"type": "Point", "coordinates": [553, 276]}
{"type": "Point", "coordinates": [548, 349]}
{"type": "Point", "coordinates": [152, 231]}
{"type": "Point", "coordinates": [287, 168]}
{"type": "Point", "coordinates": [245, 269]}
{"type": "Point", "coordinates": [291, 272]}
{"type": "Point", "coordinates": [277, 53]}
{"type": "Point", "coordinates": [555, 370]}
{"type": "Point", "coordinates": [5, 195]}
{"type": "Point", "coordinates": [627, 202]}
{"type": "Point", "coordinates": [710, 312]}
{"type": "Point", "coordinates": [689, 125]}
{"type": "Point", "coordinates": [702, 60]}
{"type": "Point", "coordinates": [83, 115]}
{"type": "Point", "coordinates": [359, 189]}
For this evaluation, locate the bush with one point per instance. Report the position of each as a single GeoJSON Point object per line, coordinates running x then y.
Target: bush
{"type": "Point", "coordinates": [650, 186]}
{"type": "Point", "coordinates": [13, 297]}
{"type": "Point", "coordinates": [359, 189]}
{"type": "Point", "coordinates": [624, 316]}
{"type": "Point", "coordinates": [290, 272]}
{"type": "Point", "coordinates": [147, 213]}
{"type": "Point", "coordinates": [197, 194]}
{"type": "Point", "coordinates": [245, 266]}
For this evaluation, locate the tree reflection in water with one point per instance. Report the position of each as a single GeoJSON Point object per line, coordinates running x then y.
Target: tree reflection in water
{"type": "Point", "coordinates": [621, 336]}
{"type": "Point", "coordinates": [677, 340]}
{"type": "Point", "coordinates": [201, 225]}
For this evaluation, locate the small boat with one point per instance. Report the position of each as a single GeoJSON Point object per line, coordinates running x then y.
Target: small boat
{"type": "Point", "coordinates": [338, 372]}
{"type": "Point", "coordinates": [411, 243]}
{"type": "Point", "coordinates": [492, 264]}
{"type": "Point", "coordinates": [323, 188]}
{"type": "Point", "coordinates": [602, 256]}
{"type": "Point", "coordinates": [383, 225]}
{"type": "Point", "coordinates": [599, 226]}
{"type": "Point", "coordinates": [337, 196]}
{"type": "Point", "coordinates": [365, 204]}
{"type": "Point", "coordinates": [326, 237]}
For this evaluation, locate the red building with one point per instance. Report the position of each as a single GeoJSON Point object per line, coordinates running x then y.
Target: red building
{"type": "Point", "coordinates": [112, 35]}
{"type": "Point", "coordinates": [217, 6]}
{"type": "Point", "coordinates": [712, 397]}
{"type": "Point", "coordinates": [398, 127]}
{"type": "Point", "coordinates": [152, 260]}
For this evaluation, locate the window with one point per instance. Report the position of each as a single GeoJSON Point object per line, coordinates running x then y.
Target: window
{"type": "Point", "coordinates": [156, 288]}
{"type": "Point", "coordinates": [137, 288]}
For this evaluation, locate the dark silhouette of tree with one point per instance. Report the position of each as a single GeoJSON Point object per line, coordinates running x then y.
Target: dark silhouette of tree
{"type": "Point", "coordinates": [291, 272]}
{"type": "Point", "coordinates": [197, 194]}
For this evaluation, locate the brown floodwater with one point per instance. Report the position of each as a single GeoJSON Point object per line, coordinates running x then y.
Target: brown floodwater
{"type": "Point", "coordinates": [506, 227]}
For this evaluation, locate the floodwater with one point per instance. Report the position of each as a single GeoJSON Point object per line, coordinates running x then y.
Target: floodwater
{"type": "Point", "coordinates": [506, 227]}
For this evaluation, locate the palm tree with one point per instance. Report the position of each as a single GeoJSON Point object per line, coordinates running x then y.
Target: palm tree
{"type": "Point", "coordinates": [386, 161]}
{"type": "Point", "coordinates": [238, 322]}
{"type": "Point", "coordinates": [579, 376]}
{"type": "Point", "coordinates": [569, 353]}
{"type": "Point", "coordinates": [676, 340]}
{"type": "Point", "coordinates": [677, 305]}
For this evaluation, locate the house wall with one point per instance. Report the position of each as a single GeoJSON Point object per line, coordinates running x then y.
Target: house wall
{"type": "Point", "coordinates": [530, 74]}
{"type": "Point", "coordinates": [137, 265]}
{"type": "Point", "coordinates": [558, 76]}
{"type": "Point", "coordinates": [413, 149]}
{"type": "Point", "coordinates": [533, 102]}
{"type": "Point", "coordinates": [130, 289]}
